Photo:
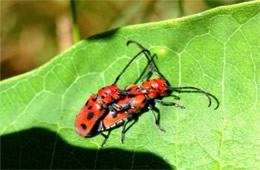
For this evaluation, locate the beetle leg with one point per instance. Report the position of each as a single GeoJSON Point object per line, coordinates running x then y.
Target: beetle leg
{"type": "Point", "coordinates": [126, 120]}
{"type": "Point", "coordinates": [112, 108]}
{"type": "Point", "coordinates": [150, 107]}
{"type": "Point", "coordinates": [168, 103]}
{"type": "Point", "coordinates": [115, 108]}
{"type": "Point", "coordinates": [123, 131]}
{"type": "Point", "coordinates": [105, 137]}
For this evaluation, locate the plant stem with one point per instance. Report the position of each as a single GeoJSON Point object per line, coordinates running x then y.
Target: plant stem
{"type": "Point", "coordinates": [75, 22]}
{"type": "Point", "coordinates": [181, 10]}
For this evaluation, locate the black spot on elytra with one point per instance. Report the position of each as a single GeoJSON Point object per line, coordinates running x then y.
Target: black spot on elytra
{"type": "Point", "coordinates": [131, 95]}
{"type": "Point", "coordinates": [106, 93]}
{"type": "Point", "coordinates": [94, 99]}
{"type": "Point", "coordinates": [84, 126]}
{"type": "Point", "coordinates": [102, 97]}
{"type": "Point", "coordinates": [90, 107]}
{"type": "Point", "coordinates": [86, 103]}
{"type": "Point", "coordinates": [90, 115]}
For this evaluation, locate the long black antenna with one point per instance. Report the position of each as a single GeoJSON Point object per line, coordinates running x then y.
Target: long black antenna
{"type": "Point", "coordinates": [178, 89]}
{"type": "Point", "coordinates": [148, 57]}
{"type": "Point", "coordinates": [141, 48]}
{"type": "Point", "coordinates": [124, 69]}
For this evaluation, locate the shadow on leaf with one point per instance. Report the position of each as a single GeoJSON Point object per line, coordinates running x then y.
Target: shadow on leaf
{"type": "Point", "coordinates": [33, 149]}
{"type": "Point", "coordinates": [105, 35]}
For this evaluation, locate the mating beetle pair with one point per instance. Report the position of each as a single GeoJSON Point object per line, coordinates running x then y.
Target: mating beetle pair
{"type": "Point", "coordinates": [112, 107]}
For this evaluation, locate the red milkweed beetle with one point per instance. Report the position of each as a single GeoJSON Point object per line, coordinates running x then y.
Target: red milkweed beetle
{"type": "Point", "coordinates": [145, 96]}
{"type": "Point", "coordinates": [96, 105]}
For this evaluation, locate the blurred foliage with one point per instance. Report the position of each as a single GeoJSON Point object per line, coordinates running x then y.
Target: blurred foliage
{"type": "Point", "coordinates": [32, 32]}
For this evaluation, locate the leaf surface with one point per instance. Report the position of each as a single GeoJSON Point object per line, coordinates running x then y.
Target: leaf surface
{"type": "Point", "coordinates": [217, 50]}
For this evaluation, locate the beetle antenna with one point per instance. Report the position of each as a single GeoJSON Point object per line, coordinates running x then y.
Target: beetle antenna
{"type": "Point", "coordinates": [147, 54]}
{"type": "Point", "coordinates": [124, 69]}
{"type": "Point", "coordinates": [178, 89]}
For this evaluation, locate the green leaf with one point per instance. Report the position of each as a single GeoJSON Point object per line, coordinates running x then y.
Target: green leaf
{"type": "Point", "coordinates": [217, 51]}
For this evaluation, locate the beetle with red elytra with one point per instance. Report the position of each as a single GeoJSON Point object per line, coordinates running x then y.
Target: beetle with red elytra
{"type": "Point", "coordinates": [98, 104]}
{"type": "Point", "coordinates": [135, 99]}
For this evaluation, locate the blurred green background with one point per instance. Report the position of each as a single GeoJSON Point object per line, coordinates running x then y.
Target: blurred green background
{"type": "Point", "coordinates": [32, 32]}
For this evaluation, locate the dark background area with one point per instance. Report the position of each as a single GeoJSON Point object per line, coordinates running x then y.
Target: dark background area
{"type": "Point", "coordinates": [32, 32]}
